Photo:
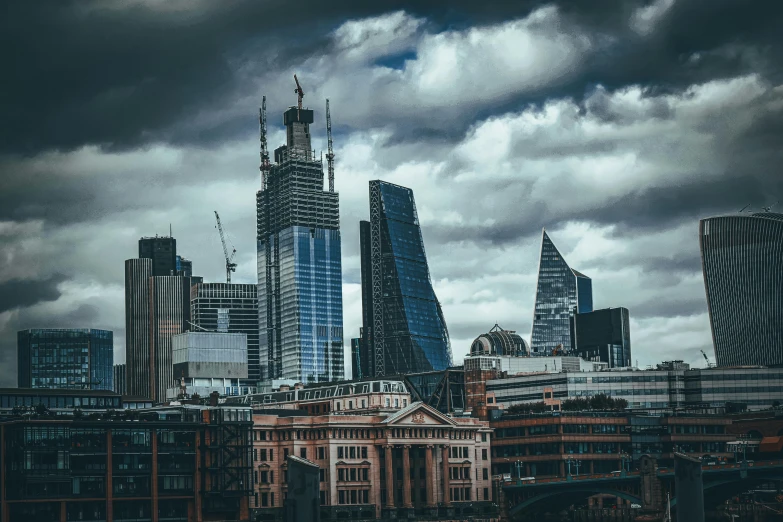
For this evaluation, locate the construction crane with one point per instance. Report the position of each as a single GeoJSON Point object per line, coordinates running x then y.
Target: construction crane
{"type": "Point", "coordinates": [299, 91]}
{"type": "Point", "coordinates": [264, 165]}
{"type": "Point", "coordinates": [330, 153]}
{"type": "Point", "coordinates": [230, 265]}
{"type": "Point", "coordinates": [709, 364]}
{"type": "Point", "coordinates": [767, 209]}
{"type": "Point", "coordinates": [743, 209]}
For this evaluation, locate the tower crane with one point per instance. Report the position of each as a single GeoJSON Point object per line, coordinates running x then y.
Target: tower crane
{"type": "Point", "coordinates": [330, 153]}
{"type": "Point", "coordinates": [707, 360]}
{"type": "Point", "coordinates": [230, 265]}
{"type": "Point", "coordinates": [264, 165]}
{"type": "Point", "coordinates": [299, 91]}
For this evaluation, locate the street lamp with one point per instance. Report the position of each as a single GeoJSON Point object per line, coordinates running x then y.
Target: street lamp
{"type": "Point", "coordinates": [624, 457]}
{"type": "Point", "coordinates": [576, 463]}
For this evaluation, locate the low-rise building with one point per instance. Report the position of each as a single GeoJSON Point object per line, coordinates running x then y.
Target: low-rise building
{"type": "Point", "coordinates": [754, 388]}
{"type": "Point", "coordinates": [385, 465]}
{"type": "Point", "coordinates": [579, 443]}
{"type": "Point", "coordinates": [188, 463]}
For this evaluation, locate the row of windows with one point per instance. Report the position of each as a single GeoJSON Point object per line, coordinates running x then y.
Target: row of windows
{"type": "Point", "coordinates": [353, 474]}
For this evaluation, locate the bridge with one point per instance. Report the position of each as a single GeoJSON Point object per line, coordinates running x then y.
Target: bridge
{"type": "Point", "coordinates": [646, 487]}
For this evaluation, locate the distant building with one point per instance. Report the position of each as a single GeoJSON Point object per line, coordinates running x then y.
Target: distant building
{"type": "Point", "coordinates": [184, 267]}
{"type": "Point", "coordinates": [404, 329]}
{"type": "Point", "coordinates": [603, 335]}
{"type": "Point", "coordinates": [561, 292]}
{"type": "Point", "coordinates": [742, 259]}
{"type": "Point", "coordinates": [500, 342]}
{"type": "Point", "coordinates": [300, 309]}
{"type": "Point", "coordinates": [162, 251]}
{"type": "Point", "coordinates": [232, 308]}
{"type": "Point", "coordinates": [209, 361]}
{"type": "Point", "coordinates": [754, 388]}
{"type": "Point", "coordinates": [356, 353]}
{"type": "Point", "coordinates": [156, 308]}
{"type": "Point", "coordinates": [120, 379]}
{"type": "Point", "coordinates": [58, 400]}
{"type": "Point", "coordinates": [75, 358]}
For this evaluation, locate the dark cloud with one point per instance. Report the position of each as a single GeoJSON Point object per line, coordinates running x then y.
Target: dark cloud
{"type": "Point", "coordinates": [665, 308]}
{"type": "Point", "coordinates": [23, 293]}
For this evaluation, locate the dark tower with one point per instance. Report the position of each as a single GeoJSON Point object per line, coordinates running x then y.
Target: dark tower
{"type": "Point", "coordinates": [163, 253]}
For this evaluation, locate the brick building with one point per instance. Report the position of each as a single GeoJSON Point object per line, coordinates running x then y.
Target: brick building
{"type": "Point", "coordinates": [439, 466]}
{"type": "Point", "coordinates": [187, 463]}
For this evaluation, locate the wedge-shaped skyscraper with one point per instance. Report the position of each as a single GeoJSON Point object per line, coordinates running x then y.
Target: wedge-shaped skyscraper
{"type": "Point", "coordinates": [742, 258]}
{"type": "Point", "coordinates": [300, 303]}
{"type": "Point", "coordinates": [404, 330]}
{"type": "Point", "coordinates": [561, 292]}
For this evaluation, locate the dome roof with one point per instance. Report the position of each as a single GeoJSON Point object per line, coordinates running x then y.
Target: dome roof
{"type": "Point", "coordinates": [500, 342]}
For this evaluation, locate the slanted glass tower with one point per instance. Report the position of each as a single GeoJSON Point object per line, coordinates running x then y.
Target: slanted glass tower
{"type": "Point", "coordinates": [300, 305]}
{"type": "Point", "coordinates": [742, 260]}
{"type": "Point", "coordinates": [561, 292]}
{"type": "Point", "coordinates": [404, 329]}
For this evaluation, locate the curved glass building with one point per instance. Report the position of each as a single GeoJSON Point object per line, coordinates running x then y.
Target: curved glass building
{"type": "Point", "coordinates": [742, 259]}
{"type": "Point", "coordinates": [404, 330]}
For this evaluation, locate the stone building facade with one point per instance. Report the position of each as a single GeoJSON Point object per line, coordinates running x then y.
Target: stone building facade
{"type": "Point", "coordinates": [415, 462]}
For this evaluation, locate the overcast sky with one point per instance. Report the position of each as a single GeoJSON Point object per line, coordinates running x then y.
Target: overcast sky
{"type": "Point", "coordinates": [615, 124]}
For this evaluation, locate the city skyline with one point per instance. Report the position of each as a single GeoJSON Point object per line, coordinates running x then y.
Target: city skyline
{"type": "Point", "coordinates": [618, 161]}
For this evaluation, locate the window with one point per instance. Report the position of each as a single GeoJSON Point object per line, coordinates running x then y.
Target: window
{"type": "Point", "coordinates": [365, 474]}
{"type": "Point", "coordinates": [341, 497]}
{"type": "Point", "coordinates": [264, 499]}
{"type": "Point", "coordinates": [485, 474]}
{"type": "Point", "coordinates": [486, 494]}
{"type": "Point", "coordinates": [303, 452]}
{"type": "Point", "coordinates": [352, 451]}
{"type": "Point", "coordinates": [340, 452]}
{"type": "Point", "coordinates": [322, 476]}
{"type": "Point", "coordinates": [484, 454]}
{"type": "Point", "coordinates": [321, 453]}
{"type": "Point", "coordinates": [285, 453]}
{"type": "Point", "coordinates": [364, 452]}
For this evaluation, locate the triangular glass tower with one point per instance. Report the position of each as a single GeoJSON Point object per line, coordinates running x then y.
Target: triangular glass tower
{"type": "Point", "coordinates": [560, 293]}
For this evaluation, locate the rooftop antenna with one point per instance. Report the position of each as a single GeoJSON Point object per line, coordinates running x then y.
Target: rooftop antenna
{"type": "Point", "coordinates": [745, 207]}
{"type": "Point", "coordinates": [264, 165]}
{"type": "Point", "coordinates": [170, 233]}
{"type": "Point", "coordinates": [330, 153]}
{"type": "Point", "coordinates": [767, 209]}
{"type": "Point", "coordinates": [299, 91]}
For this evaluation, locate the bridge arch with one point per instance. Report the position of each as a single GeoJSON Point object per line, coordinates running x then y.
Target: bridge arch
{"type": "Point", "coordinates": [586, 491]}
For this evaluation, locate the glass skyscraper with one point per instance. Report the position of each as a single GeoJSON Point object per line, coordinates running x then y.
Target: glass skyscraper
{"type": "Point", "coordinates": [300, 303]}
{"type": "Point", "coordinates": [75, 358]}
{"type": "Point", "coordinates": [742, 260]}
{"type": "Point", "coordinates": [404, 330]}
{"type": "Point", "coordinates": [603, 335]}
{"type": "Point", "coordinates": [561, 292]}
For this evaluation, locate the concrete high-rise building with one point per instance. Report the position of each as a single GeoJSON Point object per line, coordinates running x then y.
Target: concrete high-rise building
{"type": "Point", "coordinates": [162, 251]}
{"type": "Point", "coordinates": [300, 308]}
{"type": "Point", "coordinates": [156, 308]}
{"type": "Point", "coordinates": [742, 260]}
{"type": "Point", "coordinates": [561, 292]}
{"type": "Point", "coordinates": [68, 358]}
{"type": "Point", "coordinates": [603, 335]}
{"type": "Point", "coordinates": [232, 308]}
{"type": "Point", "coordinates": [404, 329]}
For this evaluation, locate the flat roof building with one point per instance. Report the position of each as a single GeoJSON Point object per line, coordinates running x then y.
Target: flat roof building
{"type": "Point", "coordinates": [78, 358]}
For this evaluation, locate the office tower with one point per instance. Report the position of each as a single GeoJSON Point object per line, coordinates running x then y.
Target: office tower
{"type": "Point", "coordinates": [156, 308]}
{"type": "Point", "coordinates": [404, 328]}
{"type": "Point", "coordinates": [233, 308]}
{"type": "Point", "coordinates": [184, 267]}
{"type": "Point", "coordinates": [742, 260]}
{"type": "Point", "coordinates": [300, 308]}
{"type": "Point", "coordinates": [163, 253]}
{"type": "Point", "coordinates": [356, 351]}
{"type": "Point", "coordinates": [603, 335]}
{"type": "Point", "coordinates": [76, 358]}
{"type": "Point", "coordinates": [561, 292]}
{"type": "Point", "coordinates": [138, 273]}
{"type": "Point", "coordinates": [119, 379]}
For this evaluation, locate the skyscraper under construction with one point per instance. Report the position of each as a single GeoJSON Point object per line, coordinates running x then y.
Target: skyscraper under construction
{"type": "Point", "coordinates": [300, 307]}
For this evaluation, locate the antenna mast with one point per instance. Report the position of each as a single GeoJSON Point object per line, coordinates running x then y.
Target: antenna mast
{"type": "Point", "coordinates": [264, 166]}
{"type": "Point", "coordinates": [330, 153]}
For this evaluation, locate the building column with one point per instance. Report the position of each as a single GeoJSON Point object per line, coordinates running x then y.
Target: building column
{"type": "Point", "coordinates": [406, 477]}
{"type": "Point", "coordinates": [389, 477]}
{"type": "Point", "coordinates": [375, 485]}
{"type": "Point", "coordinates": [446, 482]}
{"type": "Point", "coordinates": [430, 476]}
{"type": "Point", "coordinates": [154, 480]}
{"type": "Point", "coordinates": [109, 474]}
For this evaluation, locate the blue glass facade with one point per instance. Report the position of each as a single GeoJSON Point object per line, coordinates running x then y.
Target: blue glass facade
{"type": "Point", "coordinates": [404, 330]}
{"type": "Point", "coordinates": [66, 358]}
{"type": "Point", "coordinates": [300, 308]}
{"type": "Point", "coordinates": [560, 293]}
